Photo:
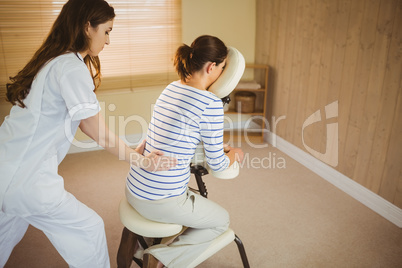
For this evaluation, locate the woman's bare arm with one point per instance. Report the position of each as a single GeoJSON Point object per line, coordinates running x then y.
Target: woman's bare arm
{"type": "Point", "coordinates": [95, 127]}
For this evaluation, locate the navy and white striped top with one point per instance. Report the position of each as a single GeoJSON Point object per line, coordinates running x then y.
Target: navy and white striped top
{"type": "Point", "coordinates": [183, 117]}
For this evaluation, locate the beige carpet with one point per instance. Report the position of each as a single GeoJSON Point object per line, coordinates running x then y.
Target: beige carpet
{"type": "Point", "coordinates": [285, 215]}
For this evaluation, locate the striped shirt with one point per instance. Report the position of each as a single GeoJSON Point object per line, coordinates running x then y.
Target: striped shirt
{"type": "Point", "coordinates": [183, 117]}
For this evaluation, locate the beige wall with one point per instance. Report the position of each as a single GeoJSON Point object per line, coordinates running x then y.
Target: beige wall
{"type": "Point", "coordinates": [231, 20]}
{"type": "Point", "coordinates": [127, 113]}
{"type": "Point", "coordinates": [321, 51]}
{"type": "Point", "coordinates": [4, 110]}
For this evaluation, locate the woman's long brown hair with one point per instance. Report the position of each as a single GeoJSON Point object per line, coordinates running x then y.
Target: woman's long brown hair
{"type": "Point", "coordinates": [66, 35]}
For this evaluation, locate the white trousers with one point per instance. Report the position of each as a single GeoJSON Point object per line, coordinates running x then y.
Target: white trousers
{"type": "Point", "coordinates": [75, 230]}
{"type": "Point", "coordinates": [206, 219]}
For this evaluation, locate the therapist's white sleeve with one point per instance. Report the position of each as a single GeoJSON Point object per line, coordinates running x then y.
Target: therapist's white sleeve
{"type": "Point", "coordinates": [77, 90]}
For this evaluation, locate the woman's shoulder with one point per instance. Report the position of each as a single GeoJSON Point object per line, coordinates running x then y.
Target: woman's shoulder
{"type": "Point", "coordinates": [205, 94]}
{"type": "Point", "coordinates": [71, 60]}
{"type": "Point", "coordinates": [69, 65]}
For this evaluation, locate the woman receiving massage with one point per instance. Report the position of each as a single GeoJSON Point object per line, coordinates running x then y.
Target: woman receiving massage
{"type": "Point", "coordinates": [185, 114]}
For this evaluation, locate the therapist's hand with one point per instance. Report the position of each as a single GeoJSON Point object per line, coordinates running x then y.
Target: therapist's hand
{"type": "Point", "coordinates": [155, 161]}
{"type": "Point", "coordinates": [95, 127]}
{"type": "Point", "coordinates": [141, 147]}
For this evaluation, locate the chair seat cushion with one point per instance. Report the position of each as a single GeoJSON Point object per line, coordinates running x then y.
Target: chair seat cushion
{"type": "Point", "coordinates": [137, 224]}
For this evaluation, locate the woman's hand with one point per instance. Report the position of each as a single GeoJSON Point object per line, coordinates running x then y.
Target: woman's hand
{"type": "Point", "coordinates": [226, 147]}
{"type": "Point", "coordinates": [235, 154]}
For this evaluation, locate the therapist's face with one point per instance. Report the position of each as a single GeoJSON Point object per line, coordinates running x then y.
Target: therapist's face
{"type": "Point", "coordinates": [99, 36]}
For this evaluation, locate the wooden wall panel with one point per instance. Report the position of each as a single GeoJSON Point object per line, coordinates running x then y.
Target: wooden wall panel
{"type": "Point", "coordinates": [378, 46]}
{"type": "Point", "coordinates": [391, 119]}
{"type": "Point", "coordinates": [321, 51]}
{"type": "Point", "coordinates": [316, 31]}
{"type": "Point", "coordinates": [357, 117]}
{"type": "Point", "coordinates": [384, 84]}
{"type": "Point", "coordinates": [305, 22]}
{"type": "Point", "coordinates": [347, 135]}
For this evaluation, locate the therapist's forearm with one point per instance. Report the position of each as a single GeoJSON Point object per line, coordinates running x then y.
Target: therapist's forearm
{"type": "Point", "coordinates": [95, 127]}
{"type": "Point", "coordinates": [114, 145]}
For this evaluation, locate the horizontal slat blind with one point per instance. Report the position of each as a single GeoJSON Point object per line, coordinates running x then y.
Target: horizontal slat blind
{"type": "Point", "coordinates": [143, 41]}
{"type": "Point", "coordinates": [23, 27]}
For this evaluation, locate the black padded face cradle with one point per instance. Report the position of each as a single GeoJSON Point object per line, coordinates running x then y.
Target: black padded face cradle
{"type": "Point", "coordinates": [230, 77]}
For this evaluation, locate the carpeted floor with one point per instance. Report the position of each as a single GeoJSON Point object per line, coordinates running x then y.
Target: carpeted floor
{"type": "Point", "coordinates": [286, 216]}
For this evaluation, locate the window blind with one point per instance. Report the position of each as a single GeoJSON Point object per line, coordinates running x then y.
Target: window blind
{"type": "Point", "coordinates": [144, 39]}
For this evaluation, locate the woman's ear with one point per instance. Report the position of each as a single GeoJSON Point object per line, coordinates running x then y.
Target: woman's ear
{"type": "Point", "coordinates": [210, 67]}
{"type": "Point", "coordinates": [87, 25]}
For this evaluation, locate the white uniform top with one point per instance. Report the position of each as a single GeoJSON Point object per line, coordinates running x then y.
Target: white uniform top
{"type": "Point", "coordinates": [34, 140]}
